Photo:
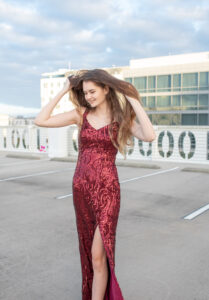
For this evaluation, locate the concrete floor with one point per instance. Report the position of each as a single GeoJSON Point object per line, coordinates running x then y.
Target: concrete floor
{"type": "Point", "coordinates": [159, 254]}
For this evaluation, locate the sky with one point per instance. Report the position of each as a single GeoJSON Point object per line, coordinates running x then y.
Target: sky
{"type": "Point", "coordinates": [45, 35]}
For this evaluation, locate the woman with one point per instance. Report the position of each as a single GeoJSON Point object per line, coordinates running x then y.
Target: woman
{"type": "Point", "coordinates": [105, 112]}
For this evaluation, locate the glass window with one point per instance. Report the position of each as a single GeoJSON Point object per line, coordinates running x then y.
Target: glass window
{"type": "Point", "coordinates": [129, 79]}
{"type": "Point", "coordinates": [150, 116]}
{"type": "Point", "coordinates": [177, 100]}
{"type": "Point", "coordinates": [189, 101]}
{"type": "Point", "coordinates": [190, 81]}
{"type": "Point", "coordinates": [151, 101]}
{"type": "Point", "coordinates": [144, 101]}
{"type": "Point", "coordinates": [176, 119]}
{"type": "Point", "coordinates": [163, 101]}
{"type": "Point", "coordinates": [203, 101]}
{"type": "Point", "coordinates": [176, 82]}
{"type": "Point", "coordinates": [140, 83]}
{"type": "Point", "coordinates": [203, 80]}
{"type": "Point", "coordinates": [151, 83]}
{"type": "Point", "coordinates": [164, 83]}
{"type": "Point", "coordinates": [189, 119]}
{"type": "Point", "coordinates": [165, 119]}
{"type": "Point", "coordinates": [203, 119]}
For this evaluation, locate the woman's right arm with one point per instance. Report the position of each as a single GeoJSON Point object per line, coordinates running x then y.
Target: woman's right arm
{"type": "Point", "coordinates": [44, 118]}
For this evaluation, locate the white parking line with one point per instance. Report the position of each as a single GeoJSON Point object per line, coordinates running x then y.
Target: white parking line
{"type": "Point", "coordinates": [36, 174]}
{"type": "Point", "coordinates": [25, 162]}
{"type": "Point", "coordinates": [197, 212]}
{"type": "Point", "coordinates": [136, 178]}
{"type": "Point", "coordinates": [62, 197]}
{"type": "Point", "coordinates": [148, 175]}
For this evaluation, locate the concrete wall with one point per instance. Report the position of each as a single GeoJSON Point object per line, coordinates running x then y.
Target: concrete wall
{"type": "Point", "coordinates": [173, 143]}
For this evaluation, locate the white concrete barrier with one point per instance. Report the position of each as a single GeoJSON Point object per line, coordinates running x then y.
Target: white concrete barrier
{"type": "Point", "coordinates": [173, 143]}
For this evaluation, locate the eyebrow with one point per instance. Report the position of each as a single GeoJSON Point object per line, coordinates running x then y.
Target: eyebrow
{"type": "Point", "coordinates": [90, 90]}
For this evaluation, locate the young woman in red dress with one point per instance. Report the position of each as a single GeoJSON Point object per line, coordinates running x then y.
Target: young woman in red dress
{"type": "Point", "coordinates": [105, 113]}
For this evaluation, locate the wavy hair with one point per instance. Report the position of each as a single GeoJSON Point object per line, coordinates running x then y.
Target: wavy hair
{"type": "Point", "coordinates": [121, 109]}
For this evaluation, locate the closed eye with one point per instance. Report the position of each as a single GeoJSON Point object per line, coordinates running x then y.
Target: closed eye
{"type": "Point", "coordinates": [92, 92]}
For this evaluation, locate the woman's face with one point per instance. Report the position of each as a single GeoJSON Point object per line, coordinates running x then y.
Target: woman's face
{"type": "Point", "coordinates": [94, 94]}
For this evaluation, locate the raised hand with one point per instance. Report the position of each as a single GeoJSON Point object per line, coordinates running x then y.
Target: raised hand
{"type": "Point", "coordinates": [66, 88]}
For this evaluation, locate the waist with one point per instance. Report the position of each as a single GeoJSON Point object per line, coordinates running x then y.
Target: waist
{"type": "Point", "coordinates": [102, 156]}
{"type": "Point", "coordinates": [99, 151]}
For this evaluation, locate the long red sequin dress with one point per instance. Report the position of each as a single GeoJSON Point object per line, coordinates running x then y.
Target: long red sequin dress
{"type": "Point", "coordinates": [96, 198]}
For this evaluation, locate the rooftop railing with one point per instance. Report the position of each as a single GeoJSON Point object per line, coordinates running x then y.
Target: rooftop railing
{"type": "Point", "coordinates": [173, 143]}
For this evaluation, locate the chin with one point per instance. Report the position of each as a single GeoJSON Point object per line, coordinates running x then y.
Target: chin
{"type": "Point", "coordinates": [93, 104]}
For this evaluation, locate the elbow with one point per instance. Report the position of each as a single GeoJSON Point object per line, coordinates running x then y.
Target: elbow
{"type": "Point", "coordinates": [150, 138]}
{"type": "Point", "coordinates": [153, 137]}
{"type": "Point", "coordinates": [37, 123]}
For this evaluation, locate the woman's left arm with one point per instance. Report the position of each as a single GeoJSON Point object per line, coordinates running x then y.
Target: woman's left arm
{"type": "Point", "coordinates": [143, 131]}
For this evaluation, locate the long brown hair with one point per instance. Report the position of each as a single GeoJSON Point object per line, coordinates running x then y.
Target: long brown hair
{"type": "Point", "coordinates": [121, 109]}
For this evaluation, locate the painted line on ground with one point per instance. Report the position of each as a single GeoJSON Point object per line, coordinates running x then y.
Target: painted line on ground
{"type": "Point", "coordinates": [148, 175]}
{"type": "Point", "coordinates": [23, 163]}
{"type": "Point", "coordinates": [62, 197]}
{"type": "Point", "coordinates": [136, 178]}
{"type": "Point", "coordinates": [36, 174]}
{"type": "Point", "coordinates": [197, 212]}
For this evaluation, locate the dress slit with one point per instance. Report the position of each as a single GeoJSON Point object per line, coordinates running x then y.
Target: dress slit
{"type": "Point", "coordinates": [113, 291]}
{"type": "Point", "coordinates": [108, 265]}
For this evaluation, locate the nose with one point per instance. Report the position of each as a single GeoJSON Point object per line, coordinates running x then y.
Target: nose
{"type": "Point", "coordinates": [88, 97]}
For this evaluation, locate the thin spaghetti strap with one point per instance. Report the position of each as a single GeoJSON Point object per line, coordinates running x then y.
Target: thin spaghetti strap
{"type": "Point", "coordinates": [83, 122]}
{"type": "Point", "coordinates": [84, 117]}
{"type": "Point", "coordinates": [85, 112]}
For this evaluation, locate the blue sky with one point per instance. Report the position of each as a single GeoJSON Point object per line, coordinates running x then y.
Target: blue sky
{"type": "Point", "coordinates": [45, 35]}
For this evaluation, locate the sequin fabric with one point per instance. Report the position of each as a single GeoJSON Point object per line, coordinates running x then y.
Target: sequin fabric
{"type": "Point", "coordinates": [96, 198]}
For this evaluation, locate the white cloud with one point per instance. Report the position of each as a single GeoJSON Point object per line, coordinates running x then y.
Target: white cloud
{"type": "Point", "coordinates": [85, 35]}
{"type": "Point", "coordinates": [5, 26]}
{"type": "Point", "coordinates": [93, 10]}
{"type": "Point", "coordinates": [21, 15]}
{"type": "Point", "coordinates": [108, 49]}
